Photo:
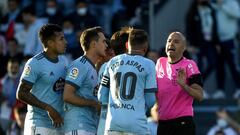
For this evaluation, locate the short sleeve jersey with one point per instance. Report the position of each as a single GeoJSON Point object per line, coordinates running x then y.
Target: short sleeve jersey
{"type": "Point", "coordinates": [173, 101]}
{"type": "Point", "coordinates": [125, 80]}
{"type": "Point", "coordinates": [82, 75]}
{"type": "Point", "coordinates": [47, 77]}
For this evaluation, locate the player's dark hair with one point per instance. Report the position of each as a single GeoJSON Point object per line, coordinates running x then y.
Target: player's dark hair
{"type": "Point", "coordinates": [137, 38]}
{"type": "Point", "coordinates": [47, 32]}
{"type": "Point", "coordinates": [119, 39]}
{"type": "Point", "coordinates": [89, 35]}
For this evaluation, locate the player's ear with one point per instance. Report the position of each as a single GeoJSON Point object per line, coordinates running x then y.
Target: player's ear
{"type": "Point", "coordinates": [93, 44]}
{"type": "Point", "coordinates": [49, 43]}
{"type": "Point", "coordinates": [145, 49]}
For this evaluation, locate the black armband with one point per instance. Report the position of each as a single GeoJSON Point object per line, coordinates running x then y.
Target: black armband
{"type": "Point", "coordinates": [105, 81]}
{"type": "Point", "coordinates": [197, 78]}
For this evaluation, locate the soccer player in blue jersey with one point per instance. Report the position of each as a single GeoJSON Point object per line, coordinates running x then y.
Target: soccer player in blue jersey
{"type": "Point", "coordinates": [42, 83]}
{"type": "Point", "coordinates": [117, 46]}
{"type": "Point", "coordinates": [129, 86]}
{"type": "Point", "coordinates": [80, 91]}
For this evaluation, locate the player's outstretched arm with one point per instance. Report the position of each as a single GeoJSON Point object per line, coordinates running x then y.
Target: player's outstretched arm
{"type": "Point", "coordinates": [71, 97]}
{"type": "Point", "coordinates": [24, 94]}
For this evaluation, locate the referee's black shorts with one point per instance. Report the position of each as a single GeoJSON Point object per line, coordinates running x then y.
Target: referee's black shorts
{"type": "Point", "coordinates": [178, 126]}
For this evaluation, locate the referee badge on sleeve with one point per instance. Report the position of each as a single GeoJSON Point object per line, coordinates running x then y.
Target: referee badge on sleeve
{"type": "Point", "coordinates": [73, 73]}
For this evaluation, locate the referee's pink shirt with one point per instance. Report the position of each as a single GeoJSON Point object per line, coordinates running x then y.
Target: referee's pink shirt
{"type": "Point", "coordinates": [173, 101]}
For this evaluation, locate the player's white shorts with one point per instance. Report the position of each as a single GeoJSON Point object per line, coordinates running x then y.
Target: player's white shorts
{"type": "Point", "coordinates": [79, 132]}
{"type": "Point", "coordinates": [117, 133]}
{"type": "Point", "coordinates": [42, 131]}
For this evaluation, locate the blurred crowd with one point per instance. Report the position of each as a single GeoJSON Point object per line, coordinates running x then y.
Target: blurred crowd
{"type": "Point", "coordinates": [212, 29]}
{"type": "Point", "coordinates": [21, 20]}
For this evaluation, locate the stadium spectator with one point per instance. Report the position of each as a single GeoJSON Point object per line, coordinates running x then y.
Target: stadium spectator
{"type": "Point", "coordinates": [67, 6]}
{"type": "Point", "coordinates": [14, 50]}
{"type": "Point", "coordinates": [227, 15]}
{"type": "Point", "coordinates": [12, 16]}
{"type": "Point", "coordinates": [201, 29]}
{"type": "Point", "coordinates": [9, 87]}
{"type": "Point", "coordinates": [20, 34]}
{"type": "Point", "coordinates": [223, 123]}
{"type": "Point", "coordinates": [71, 37]}
{"type": "Point", "coordinates": [52, 13]}
{"type": "Point", "coordinates": [33, 44]}
{"type": "Point", "coordinates": [102, 8]}
{"type": "Point", "coordinates": [82, 17]}
{"type": "Point", "coordinates": [223, 114]}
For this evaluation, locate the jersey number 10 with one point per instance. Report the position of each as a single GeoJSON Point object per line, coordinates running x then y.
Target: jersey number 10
{"type": "Point", "coordinates": [123, 79]}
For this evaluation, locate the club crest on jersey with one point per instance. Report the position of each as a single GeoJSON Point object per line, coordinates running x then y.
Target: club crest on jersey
{"type": "Point", "coordinates": [27, 70]}
{"type": "Point", "coordinates": [59, 85]}
{"type": "Point", "coordinates": [73, 73]}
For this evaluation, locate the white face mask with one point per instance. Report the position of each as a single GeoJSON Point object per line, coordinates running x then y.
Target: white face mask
{"type": "Point", "coordinates": [82, 11]}
{"type": "Point", "coordinates": [68, 31]}
{"type": "Point", "coordinates": [51, 11]}
{"type": "Point", "coordinates": [222, 123]}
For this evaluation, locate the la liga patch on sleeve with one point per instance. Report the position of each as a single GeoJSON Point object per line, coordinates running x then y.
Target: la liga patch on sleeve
{"type": "Point", "coordinates": [27, 70]}
{"type": "Point", "coordinates": [73, 73]}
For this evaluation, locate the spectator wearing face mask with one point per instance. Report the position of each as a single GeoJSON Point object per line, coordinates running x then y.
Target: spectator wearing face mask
{"type": "Point", "coordinates": [71, 37]}
{"type": "Point", "coordinates": [82, 17]}
{"type": "Point", "coordinates": [221, 125]}
{"type": "Point", "coordinates": [52, 13]}
{"type": "Point", "coordinates": [8, 94]}
{"type": "Point", "coordinates": [232, 122]}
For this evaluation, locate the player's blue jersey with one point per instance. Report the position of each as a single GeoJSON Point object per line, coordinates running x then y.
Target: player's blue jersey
{"type": "Point", "coordinates": [103, 114]}
{"type": "Point", "coordinates": [83, 76]}
{"type": "Point", "coordinates": [47, 79]}
{"type": "Point", "coordinates": [125, 80]}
